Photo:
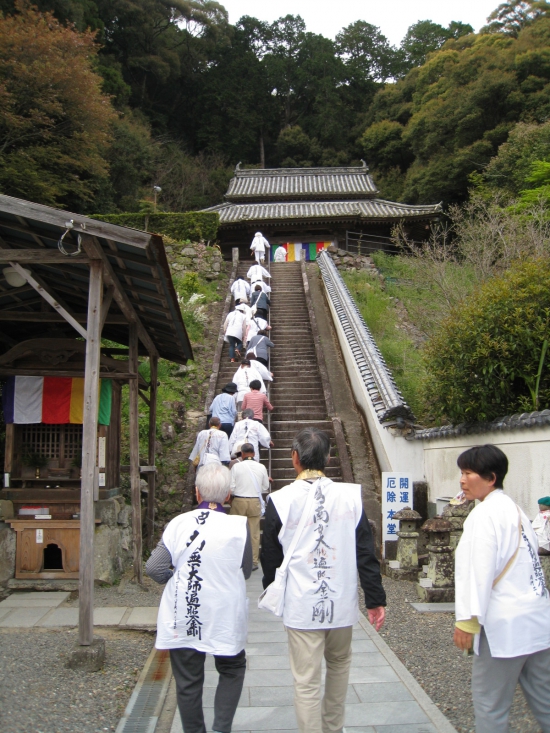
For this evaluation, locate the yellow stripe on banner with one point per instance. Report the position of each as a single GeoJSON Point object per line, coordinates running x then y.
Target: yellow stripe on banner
{"type": "Point", "coordinates": [76, 414]}
{"type": "Point", "coordinates": [290, 253]}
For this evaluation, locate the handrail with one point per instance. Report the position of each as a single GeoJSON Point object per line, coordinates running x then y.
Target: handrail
{"type": "Point", "coordinates": [390, 406]}
{"type": "Point", "coordinates": [269, 383]}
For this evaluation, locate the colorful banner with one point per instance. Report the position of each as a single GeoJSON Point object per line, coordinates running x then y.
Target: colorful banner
{"type": "Point", "coordinates": [51, 400]}
{"type": "Point", "coordinates": [296, 251]}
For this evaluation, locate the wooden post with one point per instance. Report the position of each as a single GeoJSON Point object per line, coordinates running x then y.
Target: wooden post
{"type": "Point", "coordinates": [89, 450]}
{"type": "Point", "coordinates": [134, 454]}
{"type": "Point", "coordinates": [151, 476]}
{"type": "Point", "coordinates": [8, 454]}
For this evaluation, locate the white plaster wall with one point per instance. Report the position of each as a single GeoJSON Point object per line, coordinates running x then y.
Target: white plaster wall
{"type": "Point", "coordinates": [528, 452]}
{"type": "Point", "coordinates": [434, 461]}
{"type": "Point", "coordinates": [394, 453]}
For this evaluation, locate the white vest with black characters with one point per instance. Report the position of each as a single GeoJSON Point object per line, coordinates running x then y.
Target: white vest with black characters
{"type": "Point", "coordinates": [204, 605]}
{"type": "Point", "coordinates": [321, 591]}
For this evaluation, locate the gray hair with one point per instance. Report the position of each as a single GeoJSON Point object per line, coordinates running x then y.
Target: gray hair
{"type": "Point", "coordinates": [248, 412]}
{"type": "Point", "coordinates": [213, 481]}
{"type": "Point", "coordinates": [247, 448]}
{"type": "Point", "coordinates": [313, 448]}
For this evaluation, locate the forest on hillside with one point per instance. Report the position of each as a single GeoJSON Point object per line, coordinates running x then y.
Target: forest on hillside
{"type": "Point", "coordinates": [102, 99]}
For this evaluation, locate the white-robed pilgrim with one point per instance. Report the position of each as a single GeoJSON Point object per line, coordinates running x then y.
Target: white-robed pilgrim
{"type": "Point", "coordinates": [259, 246]}
{"type": "Point", "coordinates": [235, 324]}
{"type": "Point", "coordinates": [204, 604]}
{"type": "Point", "coordinates": [240, 289]}
{"type": "Point", "coordinates": [321, 590]}
{"type": "Point", "coordinates": [256, 273]}
{"type": "Point", "coordinates": [242, 378]}
{"type": "Point", "coordinates": [515, 614]}
{"type": "Point", "coordinates": [250, 431]}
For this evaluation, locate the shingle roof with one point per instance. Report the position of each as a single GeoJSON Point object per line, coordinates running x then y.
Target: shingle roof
{"type": "Point", "coordinates": [373, 209]}
{"type": "Point", "coordinates": [138, 260]}
{"type": "Point", "coordinates": [300, 183]}
{"type": "Point", "coordinates": [510, 422]}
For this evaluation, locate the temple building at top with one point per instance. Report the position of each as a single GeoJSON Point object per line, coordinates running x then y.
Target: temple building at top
{"type": "Point", "coordinates": [306, 209]}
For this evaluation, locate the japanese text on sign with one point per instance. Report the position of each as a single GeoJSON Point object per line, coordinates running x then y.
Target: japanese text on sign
{"type": "Point", "coordinates": [397, 493]}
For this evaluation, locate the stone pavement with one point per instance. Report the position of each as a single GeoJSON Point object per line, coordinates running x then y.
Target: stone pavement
{"type": "Point", "coordinates": [383, 697]}
{"type": "Point", "coordinates": [41, 609]}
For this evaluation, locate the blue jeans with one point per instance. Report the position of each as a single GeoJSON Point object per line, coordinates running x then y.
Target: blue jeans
{"type": "Point", "coordinates": [234, 343]}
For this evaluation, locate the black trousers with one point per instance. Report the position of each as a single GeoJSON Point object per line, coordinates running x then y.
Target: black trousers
{"type": "Point", "coordinates": [227, 428]}
{"type": "Point", "coordinates": [188, 671]}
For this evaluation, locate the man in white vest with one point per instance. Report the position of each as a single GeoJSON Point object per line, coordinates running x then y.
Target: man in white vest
{"type": "Point", "coordinates": [249, 430]}
{"type": "Point", "coordinates": [203, 609]}
{"type": "Point", "coordinates": [321, 598]}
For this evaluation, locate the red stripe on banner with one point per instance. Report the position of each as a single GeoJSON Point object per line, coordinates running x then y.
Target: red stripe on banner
{"type": "Point", "coordinates": [56, 400]}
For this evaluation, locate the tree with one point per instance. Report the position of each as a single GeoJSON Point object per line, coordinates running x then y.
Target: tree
{"type": "Point", "coordinates": [367, 53]}
{"type": "Point", "coordinates": [511, 17]}
{"type": "Point", "coordinates": [424, 37]}
{"type": "Point", "coordinates": [55, 123]}
{"type": "Point", "coordinates": [483, 361]}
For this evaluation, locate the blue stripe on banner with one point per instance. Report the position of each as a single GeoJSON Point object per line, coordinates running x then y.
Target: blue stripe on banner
{"type": "Point", "coordinates": [8, 399]}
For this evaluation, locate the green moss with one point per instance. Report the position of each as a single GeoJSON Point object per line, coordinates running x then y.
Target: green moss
{"type": "Point", "coordinates": [190, 226]}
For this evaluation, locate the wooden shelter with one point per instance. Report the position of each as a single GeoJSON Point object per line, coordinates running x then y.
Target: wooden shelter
{"type": "Point", "coordinates": [67, 282]}
{"type": "Point", "coordinates": [308, 205]}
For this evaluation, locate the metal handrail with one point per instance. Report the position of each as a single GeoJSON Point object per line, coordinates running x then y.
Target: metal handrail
{"type": "Point", "coordinates": [371, 363]}
{"type": "Point", "coordinates": [269, 383]}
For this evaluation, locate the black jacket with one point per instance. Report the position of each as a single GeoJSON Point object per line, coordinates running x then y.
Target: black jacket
{"type": "Point", "coordinates": [368, 567]}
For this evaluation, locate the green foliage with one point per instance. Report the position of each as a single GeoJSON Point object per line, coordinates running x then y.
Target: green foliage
{"type": "Point", "coordinates": [54, 120]}
{"type": "Point", "coordinates": [481, 359]}
{"type": "Point", "coordinates": [425, 37]}
{"type": "Point", "coordinates": [511, 167]}
{"type": "Point", "coordinates": [398, 348]}
{"type": "Point", "coordinates": [190, 226]}
{"type": "Point", "coordinates": [512, 16]}
{"type": "Point", "coordinates": [458, 108]}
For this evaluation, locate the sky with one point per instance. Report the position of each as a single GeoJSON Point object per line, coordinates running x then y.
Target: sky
{"type": "Point", "coordinates": [393, 17]}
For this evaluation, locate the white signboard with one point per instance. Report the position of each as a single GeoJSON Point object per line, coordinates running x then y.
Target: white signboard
{"type": "Point", "coordinates": [39, 536]}
{"type": "Point", "coordinates": [397, 493]}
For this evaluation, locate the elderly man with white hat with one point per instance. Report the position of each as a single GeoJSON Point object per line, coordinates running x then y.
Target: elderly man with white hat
{"type": "Point", "coordinates": [258, 246]}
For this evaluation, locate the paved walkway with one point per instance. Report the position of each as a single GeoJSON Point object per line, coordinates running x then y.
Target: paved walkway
{"type": "Point", "coordinates": [382, 696]}
{"type": "Point", "coordinates": [45, 609]}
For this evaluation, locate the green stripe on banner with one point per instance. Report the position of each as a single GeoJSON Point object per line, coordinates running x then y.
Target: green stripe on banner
{"type": "Point", "coordinates": [105, 400]}
{"type": "Point", "coordinates": [312, 251]}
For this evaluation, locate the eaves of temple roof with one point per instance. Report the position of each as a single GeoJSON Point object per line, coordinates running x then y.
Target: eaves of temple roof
{"type": "Point", "coordinates": [292, 184]}
{"type": "Point", "coordinates": [366, 209]}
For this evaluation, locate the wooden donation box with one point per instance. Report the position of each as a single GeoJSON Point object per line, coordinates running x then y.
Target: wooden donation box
{"type": "Point", "coordinates": [43, 418]}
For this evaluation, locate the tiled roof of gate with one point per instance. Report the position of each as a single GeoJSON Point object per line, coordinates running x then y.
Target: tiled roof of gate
{"type": "Point", "coordinates": [510, 422]}
{"type": "Point", "coordinates": [373, 209]}
{"type": "Point", "coordinates": [300, 183]}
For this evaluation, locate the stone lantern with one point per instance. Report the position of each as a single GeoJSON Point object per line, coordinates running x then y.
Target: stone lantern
{"type": "Point", "coordinates": [406, 565]}
{"type": "Point", "coordinates": [438, 586]}
{"type": "Point", "coordinates": [456, 515]}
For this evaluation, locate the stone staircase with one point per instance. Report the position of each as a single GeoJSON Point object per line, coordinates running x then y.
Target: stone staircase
{"type": "Point", "coordinates": [297, 391]}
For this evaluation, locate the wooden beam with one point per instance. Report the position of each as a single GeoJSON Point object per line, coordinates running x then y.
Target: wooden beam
{"type": "Point", "coordinates": [49, 296]}
{"type": "Point", "coordinates": [30, 317]}
{"type": "Point", "coordinates": [15, 371]}
{"type": "Point", "coordinates": [81, 224]}
{"type": "Point", "coordinates": [94, 250]}
{"type": "Point", "coordinates": [8, 452]}
{"type": "Point", "coordinates": [145, 398]}
{"type": "Point", "coordinates": [39, 256]}
{"type": "Point", "coordinates": [107, 300]}
{"type": "Point", "coordinates": [151, 453]}
{"type": "Point", "coordinates": [134, 457]}
{"type": "Point", "coordinates": [89, 457]}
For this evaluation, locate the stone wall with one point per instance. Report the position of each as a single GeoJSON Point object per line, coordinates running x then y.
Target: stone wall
{"type": "Point", "coordinates": [194, 257]}
{"type": "Point", "coordinates": [351, 262]}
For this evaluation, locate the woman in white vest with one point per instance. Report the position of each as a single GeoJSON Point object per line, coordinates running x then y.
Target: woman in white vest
{"type": "Point", "coordinates": [321, 599]}
{"type": "Point", "coordinates": [204, 609]}
{"type": "Point", "coordinates": [502, 603]}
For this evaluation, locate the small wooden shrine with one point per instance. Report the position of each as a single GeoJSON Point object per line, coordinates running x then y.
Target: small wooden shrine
{"type": "Point", "coordinates": [80, 301]}
{"type": "Point", "coordinates": [305, 209]}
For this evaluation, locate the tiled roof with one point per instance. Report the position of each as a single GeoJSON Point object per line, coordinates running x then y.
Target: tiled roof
{"type": "Point", "coordinates": [374, 209]}
{"type": "Point", "coordinates": [300, 183]}
{"type": "Point", "coordinates": [510, 422]}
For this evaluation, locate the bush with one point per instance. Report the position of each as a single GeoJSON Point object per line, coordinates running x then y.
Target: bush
{"type": "Point", "coordinates": [484, 357]}
{"type": "Point", "coordinates": [194, 226]}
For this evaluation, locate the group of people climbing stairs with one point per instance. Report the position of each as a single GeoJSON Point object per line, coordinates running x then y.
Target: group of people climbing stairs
{"type": "Point", "coordinates": [296, 391]}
